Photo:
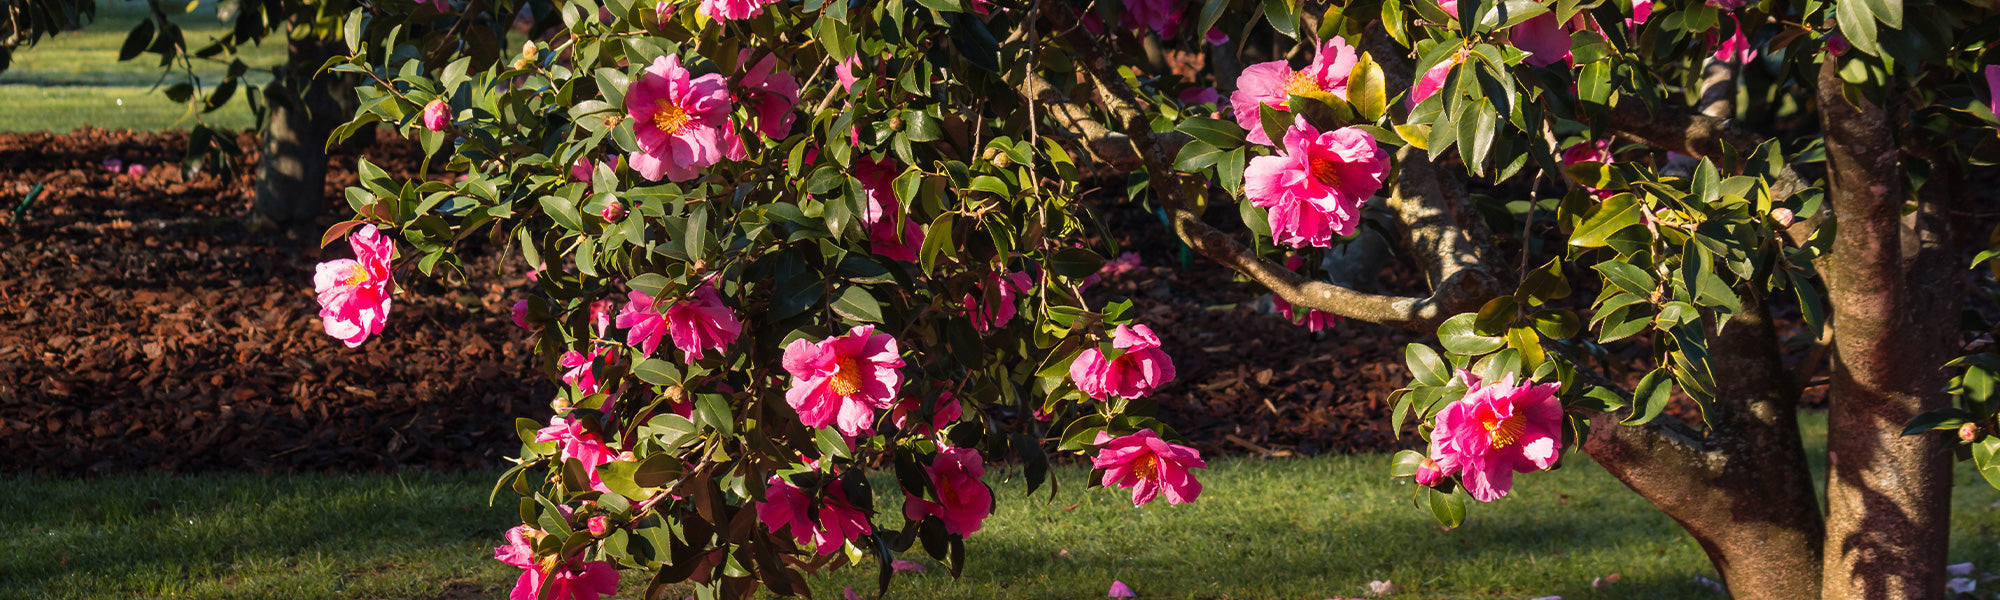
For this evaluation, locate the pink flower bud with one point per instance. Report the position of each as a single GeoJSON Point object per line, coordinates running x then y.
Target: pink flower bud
{"type": "Point", "coordinates": [435, 117]}
{"type": "Point", "coordinates": [1783, 216]}
{"type": "Point", "coordinates": [521, 314]}
{"type": "Point", "coordinates": [1428, 473]}
{"type": "Point", "coordinates": [1969, 432]}
{"type": "Point", "coordinates": [614, 212]}
{"type": "Point", "coordinates": [598, 525]}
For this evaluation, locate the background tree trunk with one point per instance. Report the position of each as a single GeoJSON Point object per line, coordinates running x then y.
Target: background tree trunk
{"type": "Point", "coordinates": [1895, 302]}
{"type": "Point", "coordinates": [1744, 491]}
{"type": "Point", "coordinates": [304, 111]}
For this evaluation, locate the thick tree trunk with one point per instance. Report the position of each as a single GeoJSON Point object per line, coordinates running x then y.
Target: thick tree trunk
{"type": "Point", "coordinates": [304, 110]}
{"type": "Point", "coordinates": [1896, 307]}
{"type": "Point", "coordinates": [1743, 491]}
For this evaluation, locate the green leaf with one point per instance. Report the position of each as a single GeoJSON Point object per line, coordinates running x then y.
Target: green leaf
{"type": "Point", "coordinates": [137, 41]}
{"type": "Point", "coordinates": [1405, 463]}
{"type": "Point", "coordinates": [1425, 365]}
{"type": "Point", "coordinates": [1616, 213]}
{"type": "Point", "coordinates": [1211, 10]}
{"type": "Point", "coordinates": [1982, 455]}
{"type": "Point", "coordinates": [658, 372]}
{"type": "Point", "coordinates": [1195, 156]}
{"type": "Point", "coordinates": [1214, 132]}
{"type": "Point", "coordinates": [1449, 508]}
{"type": "Point", "coordinates": [1889, 12]}
{"type": "Point", "coordinates": [1707, 184]}
{"type": "Point", "coordinates": [1857, 24]}
{"type": "Point", "coordinates": [1627, 277]}
{"type": "Point", "coordinates": [1811, 306]}
{"type": "Point", "coordinates": [1366, 89]}
{"type": "Point", "coordinates": [563, 212]}
{"type": "Point", "coordinates": [1650, 397]}
{"type": "Point", "coordinates": [1460, 336]}
{"type": "Point", "coordinates": [1943, 418]}
{"type": "Point", "coordinates": [1559, 324]}
{"type": "Point", "coordinates": [1076, 263]}
{"type": "Point", "coordinates": [1275, 123]}
{"type": "Point", "coordinates": [658, 470]}
{"type": "Point", "coordinates": [714, 412]}
{"type": "Point", "coordinates": [937, 242]}
{"type": "Point", "coordinates": [856, 304]}
{"type": "Point", "coordinates": [1282, 17]}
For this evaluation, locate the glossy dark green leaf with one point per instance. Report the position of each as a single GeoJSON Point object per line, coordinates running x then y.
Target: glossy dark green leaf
{"type": "Point", "coordinates": [1616, 213]}
{"type": "Point", "coordinates": [1650, 397]}
{"type": "Point", "coordinates": [1460, 335]}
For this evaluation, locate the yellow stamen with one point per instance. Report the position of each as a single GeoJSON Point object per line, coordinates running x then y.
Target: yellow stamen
{"type": "Point", "coordinates": [1302, 84]}
{"type": "Point", "coordinates": [1147, 468]}
{"type": "Point", "coordinates": [670, 118]}
{"type": "Point", "coordinates": [356, 275]}
{"type": "Point", "coordinates": [846, 378]}
{"type": "Point", "coordinates": [1506, 431]}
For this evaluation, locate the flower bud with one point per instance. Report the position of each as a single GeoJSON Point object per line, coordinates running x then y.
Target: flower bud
{"type": "Point", "coordinates": [598, 525]}
{"type": "Point", "coordinates": [614, 212]}
{"type": "Point", "coordinates": [437, 115]}
{"type": "Point", "coordinates": [896, 123]}
{"type": "Point", "coordinates": [1969, 432]}
{"type": "Point", "coordinates": [675, 394]}
{"type": "Point", "coordinates": [529, 51]}
{"type": "Point", "coordinates": [1428, 473]}
{"type": "Point", "coordinates": [613, 120]}
{"type": "Point", "coordinates": [560, 403]}
{"type": "Point", "coordinates": [1782, 216]}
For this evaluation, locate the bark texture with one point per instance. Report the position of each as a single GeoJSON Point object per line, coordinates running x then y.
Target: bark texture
{"type": "Point", "coordinates": [1888, 496]}
{"type": "Point", "coordinates": [304, 111]}
{"type": "Point", "coordinates": [1743, 490]}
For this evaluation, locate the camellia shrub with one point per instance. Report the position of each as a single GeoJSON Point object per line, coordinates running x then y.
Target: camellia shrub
{"type": "Point", "coordinates": [780, 245]}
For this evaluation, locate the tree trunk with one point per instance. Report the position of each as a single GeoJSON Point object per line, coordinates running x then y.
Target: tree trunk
{"type": "Point", "coordinates": [1744, 490]}
{"type": "Point", "coordinates": [291, 177]}
{"type": "Point", "coordinates": [1895, 302]}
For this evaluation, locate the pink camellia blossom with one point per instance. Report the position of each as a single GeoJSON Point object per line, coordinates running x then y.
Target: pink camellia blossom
{"type": "Point", "coordinates": [1163, 16]}
{"type": "Point", "coordinates": [1641, 11]}
{"type": "Point", "coordinates": [785, 505]}
{"type": "Point", "coordinates": [878, 178]}
{"type": "Point", "coordinates": [1216, 36]}
{"type": "Point", "coordinates": [114, 165]}
{"type": "Point", "coordinates": [1120, 590]}
{"type": "Point", "coordinates": [613, 212]}
{"type": "Point", "coordinates": [1543, 38]}
{"type": "Point", "coordinates": [697, 324]}
{"type": "Point", "coordinates": [1592, 151]}
{"type": "Point", "coordinates": [1005, 288]}
{"type": "Point", "coordinates": [681, 122]}
{"type": "Point", "coordinates": [354, 292]}
{"type": "Point", "coordinates": [841, 381]}
{"type": "Point", "coordinates": [1434, 78]}
{"type": "Point", "coordinates": [947, 412]}
{"type": "Point", "coordinates": [583, 170]}
{"type": "Point", "coordinates": [598, 525]}
{"type": "Point", "coordinates": [580, 372]}
{"type": "Point", "coordinates": [600, 315]}
{"type": "Point", "coordinates": [1315, 319]}
{"type": "Point", "coordinates": [1199, 95]}
{"type": "Point", "coordinates": [1992, 73]}
{"type": "Point", "coordinates": [565, 579]}
{"type": "Point", "coordinates": [437, 115]}
{"type": "Point", "coordinates": [1428, 473]}
{"type": "Point", "coordinates": [1149, 465]}
{"type": "Point", "coordinates": [733, 10]}
{"type": "Point", "coordinates": [135, 169]}
{"type": "Point", "coordinates": [1314, 188]}
{"type": "Point", "coordinates": [1496, 430]}
{"type": "Point", "coordinates": [1143, 368]}
{"type": "Point", "coordinates": [578, 442]}
{"type": "Point", "coordinates": [963, 500]}
{"type": "Point", "coordinates": [844, 72]}
{"type": "Point", "coordinates": [1735, 49]}
{"type": "Point", "coordinates": [1274, 83]}
{"type": "Point", "coordinates": [771, 94]}
{"type": "Point", "coordinates": [521, 314]}
{"type": "Point", "coordinates": [1126, 262]}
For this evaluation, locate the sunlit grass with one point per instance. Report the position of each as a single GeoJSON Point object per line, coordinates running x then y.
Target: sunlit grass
{"type": "Point", "coordinates": [75, 79]}
{"type": "Point", "coordinates": [1294, 528]}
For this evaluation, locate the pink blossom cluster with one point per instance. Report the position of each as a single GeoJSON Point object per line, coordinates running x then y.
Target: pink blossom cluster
{"type": "Point", "coordinates": [553, 577]}
{"type": "Point", "coordinates": [1138, 370]}
{"type": "Point", "coordinates": [1493, 432]}
{"type": "Point", "coordinates": [697, 324]}
{"type": "Point", "coordinates": [1149, 465]}
{"type": "Point", "coordinates": [841, 381]}
{"type": "Point", "coordinates": [1313, 189]}
{"type": "Point", "coordinates": [1274, 83]}
{"type": "Point", "coordinates": [786, 507]}
{"type": "Point", "coordinates": [354, 293]}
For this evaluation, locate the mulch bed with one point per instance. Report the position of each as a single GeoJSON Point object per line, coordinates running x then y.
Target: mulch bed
{"type": "Point", "coordinates": [148, 328]}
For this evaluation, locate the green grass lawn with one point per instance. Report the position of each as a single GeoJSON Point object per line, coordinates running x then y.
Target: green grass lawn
{"type": "Point", "coordinates": [1296, 528]}
{"type": "Point", "coordinates": [76, 79]}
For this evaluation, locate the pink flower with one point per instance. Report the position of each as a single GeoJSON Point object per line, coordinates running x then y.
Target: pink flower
{"type": "Point", "coordinates": [1200, 95]}
{"type": "Point", "coordinates": [732, 10]}
{"type": "Point", "coordinates": [1147, 464]}
{"type": "Point", "coordinates": [1594, 151]}
{"type": "Point", "coordinates": [906, 566]}
{"type": "Point", "coordinates": [963, 500]}
{"type": "Point", "coordinates": [682, 124]}
{"type": "Point", "coordinates": [1837, 44]}
{"type": "Point", "coordinates": [1163, 16]}
{"type": "Point", "coordinates": [579, 371]}
{"type": "Point", "coordinates": [1120, 590]}
{"type": "Point", "coordinates": [1126, 262]}
{"type": "Point", "coordinates": [988, 318]}
{"type": "Point", "coordinates": [1142, 369]}
{"type": "Point", "coordinates": [841, 381]}
{"type": "Point", "coordinates": [785, 505]}
{"type": "Point", "coordinates": [881, 213]}
{"type": "Point", "coordinates": [354, 293]}
{"type": "Point", "coordinates": [1545, 40]}
{"type": "Point", "coordinates": [135, 169]}
{"type": "Point", "coordinates": [946, 412]}
{"type": "Point", "coordinates": [1428, 473]}
{"type": "Point", "coordinates": [576, 441]}
{"type": "Point", "coordinates": [1274, 83]}
{"type": "Point", "coordinates": [1731, 5]}
{"type": "Point", "coordinates": [845, 72]}
{"type": "Point", "coordinates": [600, 315]}
{"type": "Point", "coordinates": [583, 170]}
{"type": "Point", "coordinates": [1215, 36]}
{"type": "Point", "coordinates": [442, 5]}
{"type": "Point", "coordinates": [1496, 430]}
{"type": "Point", "coordinates": [1314, 188]}
{"type": "Point", "coordinates": [1434, 78]}
{"type": "Point", "coordinates": [1735, 49]}
{"type": "Point", "coordinates": [1315, 320]}
{"type": "Point", "coordinates": [521, 314]}
{"type": "Point", "coordinates": [771, 95]}
{"type": "Point", "coordinates": [114, 165]}
{"type": "Point", "coordinates": [437, 115]}
{"type": "Point", "coordinates": [565, 579]}
{"type": "Point", "coordinates": [697, 324]}
{"type": "Point", "coordinates": [1641, 11]}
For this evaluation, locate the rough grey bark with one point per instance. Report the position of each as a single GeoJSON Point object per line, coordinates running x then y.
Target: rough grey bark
{"type": "Point", "coordinates": [304, 111]}
{"type": "Point", "coordinates": [1895, 301]}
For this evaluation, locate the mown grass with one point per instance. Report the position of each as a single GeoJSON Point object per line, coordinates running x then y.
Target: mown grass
{"type": "Point", "coordinates": [76, 79]}
{"type": "Point", "coordinates": [1297, 528]}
